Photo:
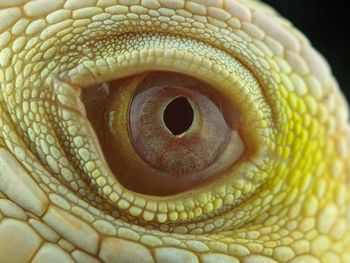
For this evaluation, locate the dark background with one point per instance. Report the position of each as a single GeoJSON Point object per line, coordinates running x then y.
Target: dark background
{"type": "Point", "coordinates": [327, 25]}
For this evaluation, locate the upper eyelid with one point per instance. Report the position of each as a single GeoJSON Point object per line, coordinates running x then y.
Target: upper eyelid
{"type": "Point", "coordinates": [207, 54]}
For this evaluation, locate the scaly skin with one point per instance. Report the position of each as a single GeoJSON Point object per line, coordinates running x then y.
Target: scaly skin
{"type": "Point", "coordinates": [59, 201]}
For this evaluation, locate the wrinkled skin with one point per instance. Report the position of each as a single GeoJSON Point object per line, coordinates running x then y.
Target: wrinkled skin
{"type": "Point", "coordinates": [59, 202]}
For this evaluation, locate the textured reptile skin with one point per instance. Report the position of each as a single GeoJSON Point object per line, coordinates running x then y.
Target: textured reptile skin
{"type": "Point", "coordinates": [59, 202]}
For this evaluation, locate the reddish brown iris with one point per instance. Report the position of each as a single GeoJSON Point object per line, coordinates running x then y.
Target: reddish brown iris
{"type": "Point", "coordinates": [163, 133]}
{"type": "Point", "coordinates": [168, 150]}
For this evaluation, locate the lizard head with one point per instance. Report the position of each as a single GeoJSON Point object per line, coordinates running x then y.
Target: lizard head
{"type": "Point", "coordinates": [167, 131]}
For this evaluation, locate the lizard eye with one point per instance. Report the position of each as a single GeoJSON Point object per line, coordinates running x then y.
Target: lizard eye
{"type": "Point", "coordinates": [164, 132]}
{"type": "Point", "coordinates": [134, 150]}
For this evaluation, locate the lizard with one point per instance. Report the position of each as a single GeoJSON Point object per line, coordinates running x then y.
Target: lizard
{"type": "Point", "coordinates": [59, 201]}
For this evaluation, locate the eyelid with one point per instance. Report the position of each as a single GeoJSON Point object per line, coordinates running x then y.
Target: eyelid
{"type": "Point", "coordinates": [176, 54]}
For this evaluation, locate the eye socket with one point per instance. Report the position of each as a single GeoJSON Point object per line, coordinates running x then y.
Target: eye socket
{"type": "Point", "coordinates": [82, 166]}
{"type": "Point", "coordinates": [175, 125]}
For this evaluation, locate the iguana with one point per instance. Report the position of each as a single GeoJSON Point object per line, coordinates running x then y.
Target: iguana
{"type": "Point", "coordinates": [59, 200]}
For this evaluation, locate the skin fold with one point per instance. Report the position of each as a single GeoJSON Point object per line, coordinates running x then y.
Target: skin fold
{"type": "Point", "coordinates": [289, 201]}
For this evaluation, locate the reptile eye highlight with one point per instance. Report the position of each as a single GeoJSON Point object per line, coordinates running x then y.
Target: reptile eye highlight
{"type": "Point", "coordinates": [163, 133]}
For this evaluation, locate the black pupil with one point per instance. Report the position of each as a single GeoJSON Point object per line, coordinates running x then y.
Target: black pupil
{"type": "Point", "coordinates": [178, 115]}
